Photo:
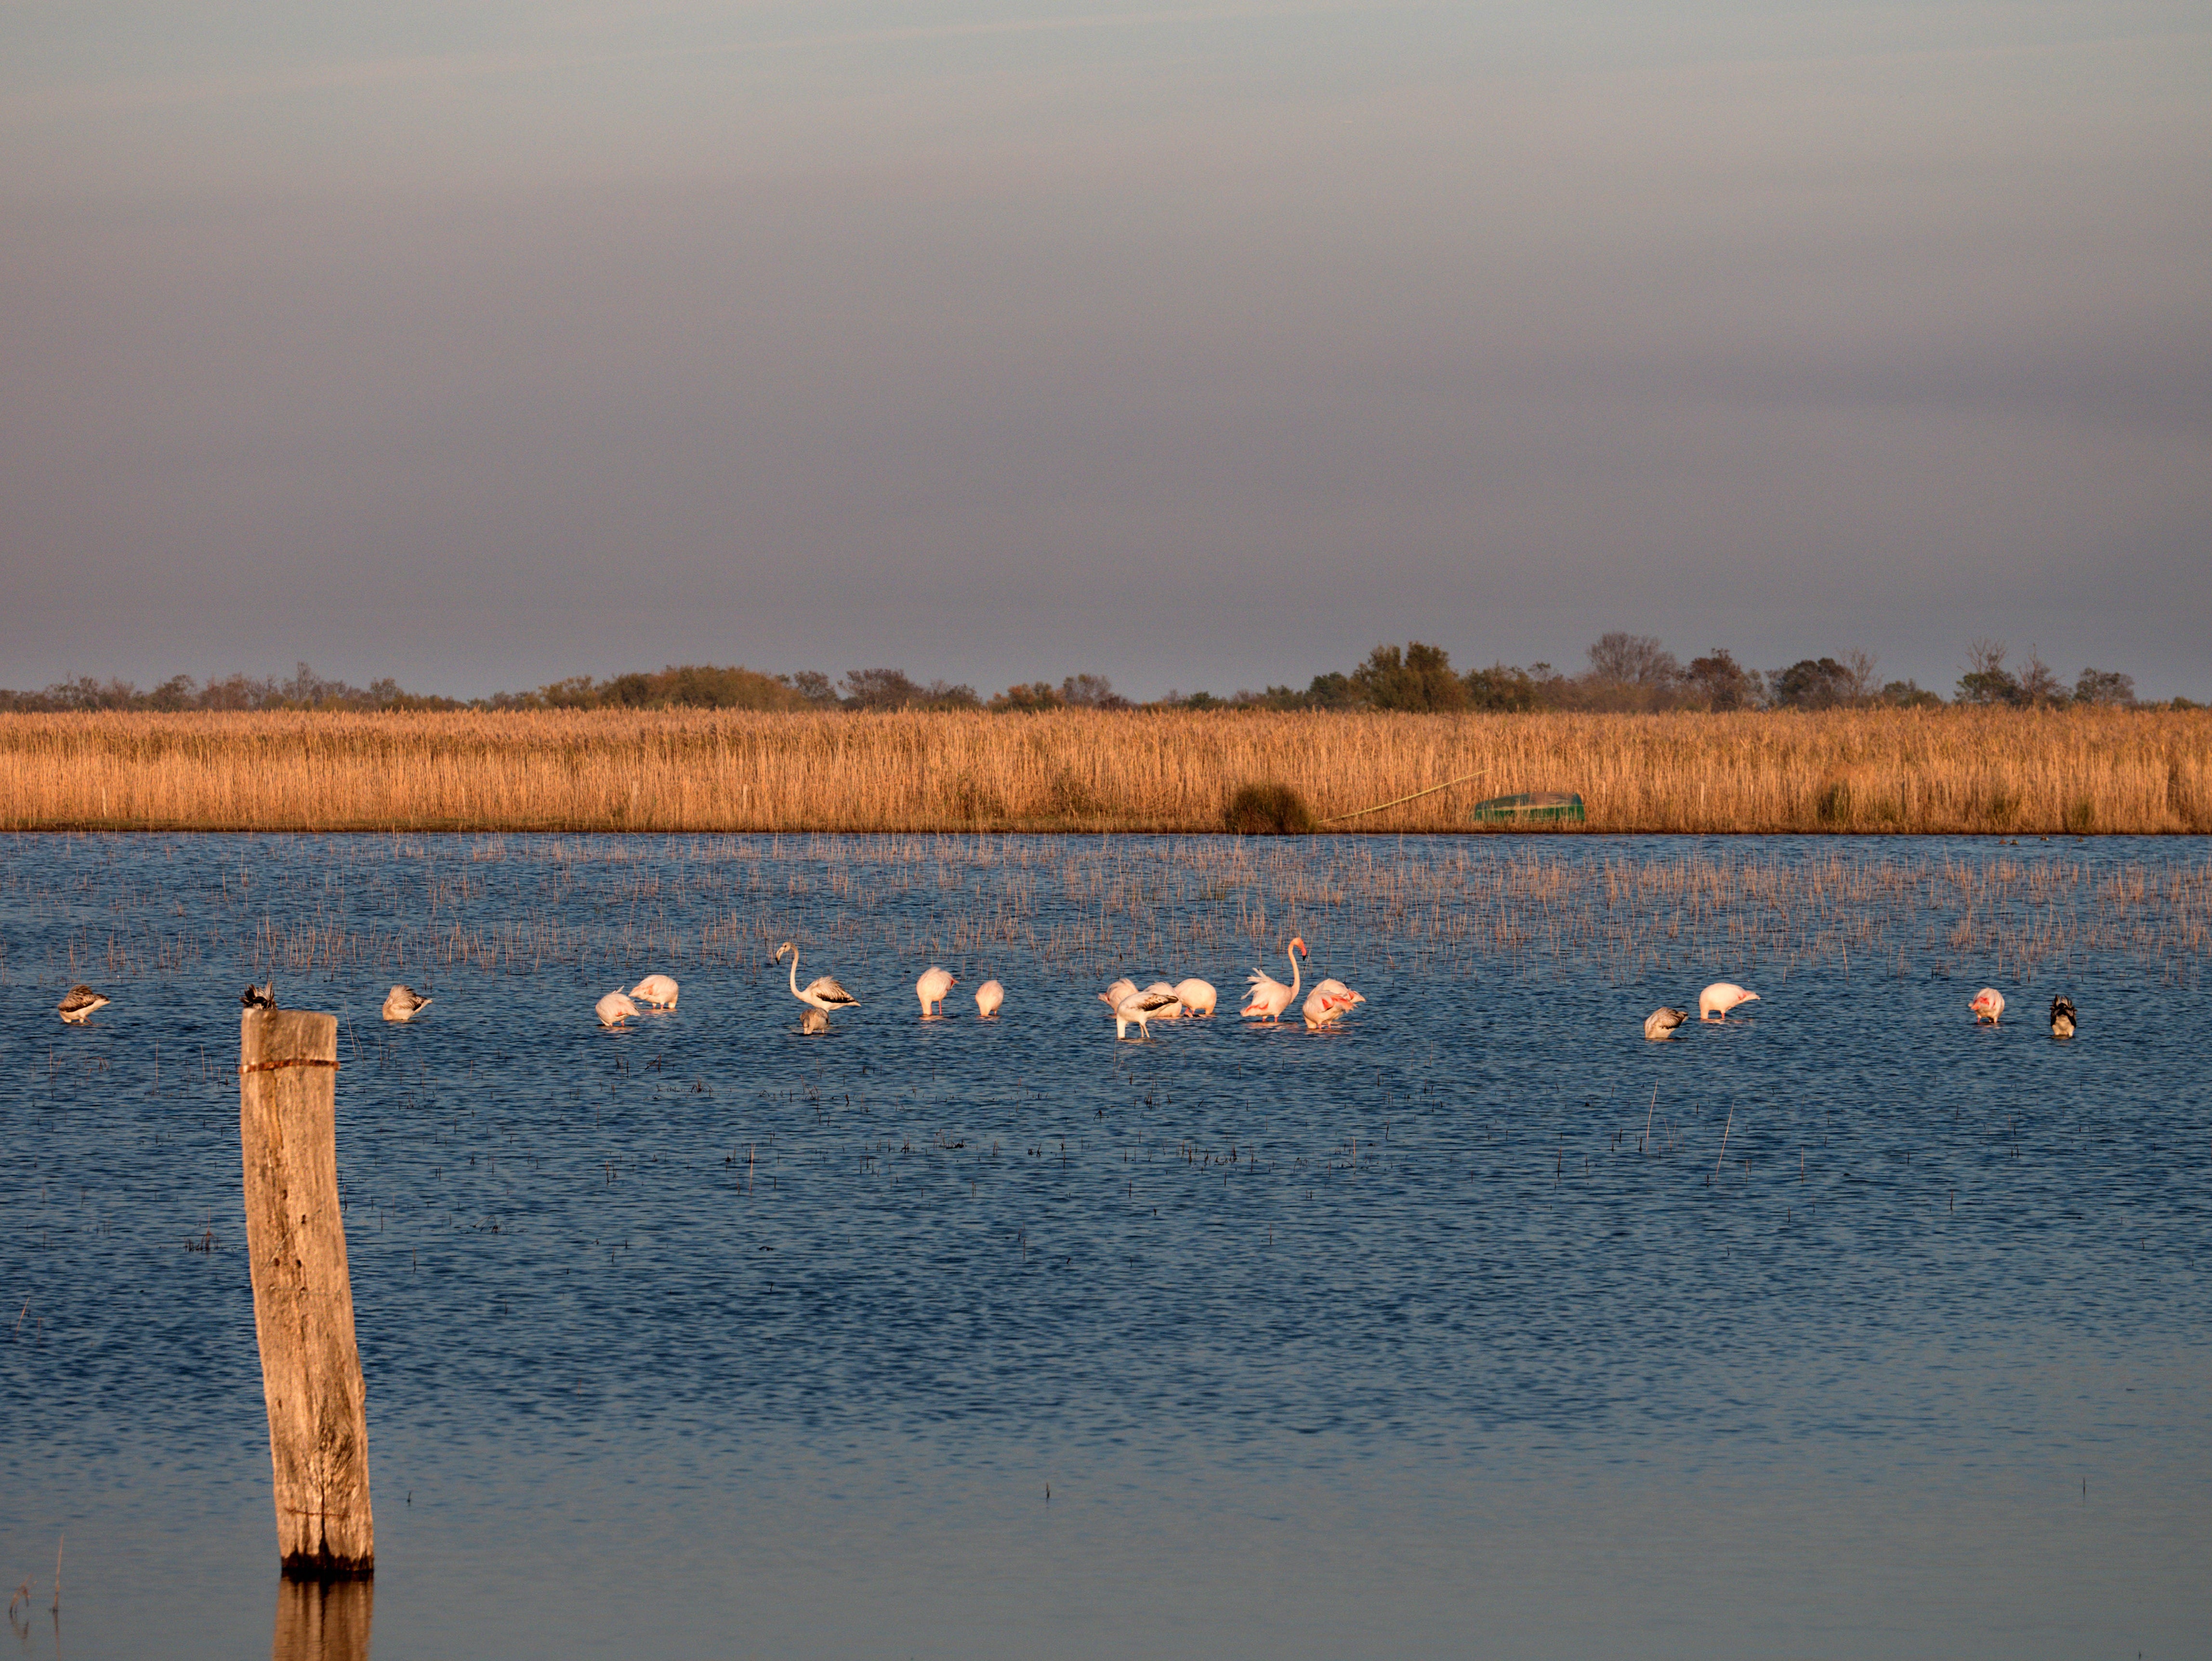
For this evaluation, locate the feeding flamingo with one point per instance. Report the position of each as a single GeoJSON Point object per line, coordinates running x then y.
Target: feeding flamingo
{"type": "Point", "coordinates": [930, 988]}
{"type": "Point", "coordinates": [989, 997]}
{"type": "Point", "coordinates": [1113, 996]}
{"type": "Point", "coordinates": [823, 993]}
{"type": "Point", "coordinates": [659, 990]}
{"type": "Point", "coordinates": [614, 1009]}
{"type": "Point", "coordinates": [1987, 1005]}
{"type": "Point", "coordinates": [1660, 1023]}
{"type": "Point", "coordinates": [1269, 997]}
{"type": "Point", "coordinates": [79, 1003]}
{"type": "Point", "coordinates": [1716, 1000]}
{"type": "Point", "coordinates": [2062, 1017]}
{"type": "Point", "coordinates": [403, 1003]}
{"type": "Point", "coordinates": [1196, 997]}
{"type": "Point", "coordinates": [1141, 1007]}
{"type": "Point", "coordinates": [814, 1021]}
{"type": "Point", "coordinates": [1327, 1002]}
{"type": "Point", "coordinates": [1173, 1015]}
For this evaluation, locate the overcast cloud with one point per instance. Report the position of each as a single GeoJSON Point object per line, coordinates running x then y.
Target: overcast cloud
{"type": "Point", "coordinates": [1199, 345]}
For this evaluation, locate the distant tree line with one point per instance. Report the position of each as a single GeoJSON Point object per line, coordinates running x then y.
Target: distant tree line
{"type": "Point", "coordinates": [1625, 671]}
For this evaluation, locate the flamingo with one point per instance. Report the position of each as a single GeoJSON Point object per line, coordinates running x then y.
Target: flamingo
{"type": "Point", "coordinates": [403, 1003]}
{"type": "Point", "coordinates": [2062, 1017]}
{"type": "Point", "coordinates": [614, 1009]}
{"type": "Point", "coordinates": [79, 1002]}
{"type": "Point", "coordinates": [1987, 1005]}
{"type": "Point", "coordinates": [1328, 1003]}
{"type": "Point", "coordinates": [1268, 996]}
{"type": "Point", "coordinates": [1660, 1023]}
{"type": "Point", "coordinates": [659, 990]}
{"type": "Point", "coordinates": [814, 1022]}
{"type": "Point", "coordinates": [1196, 995]}
{"type": "Point", "coordinates": [1113, 996]}
{"type": "Point", "coordinates": [1716, 1000]}
{"type": "Point", "coordinates": [823, 993]}
{"type": "Point", "coordinates": [989, 998]}
{"type": "Point", "coordinates": [1141, 1007]}
{"type": "Point", "coordinates": [930, 988]}
{"type": "Point", "coordinates": [1173, 1015]}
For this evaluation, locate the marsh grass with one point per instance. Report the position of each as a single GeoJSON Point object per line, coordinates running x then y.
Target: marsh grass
{"type": "Point", "coordinates": [1930, 771]}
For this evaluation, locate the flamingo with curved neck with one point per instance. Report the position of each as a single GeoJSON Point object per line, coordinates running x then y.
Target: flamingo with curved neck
{"type": "Point", "coordinates": [823, 992]}
{"type": "Point", "coordinates": [1269, 997]}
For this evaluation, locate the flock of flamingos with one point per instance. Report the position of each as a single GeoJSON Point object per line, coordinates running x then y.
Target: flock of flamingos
{"type": "Point", "coordinates": [1266, 998]}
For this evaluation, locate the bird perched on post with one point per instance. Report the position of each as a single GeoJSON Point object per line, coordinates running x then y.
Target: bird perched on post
{"type": "Point", "coordinates": [1660, 1023]}
{"type": "Point", "coordinates": [1987, 1005]}
{"type": "Point", "coordinates": [260, 997]}
{"type": "Point", "coordinates": [931, 989]}
{"type": "Point", "coordinates": [403, 1003]}
{"type": "Point", "coordinates": [2062, 1017]}
{"type": "Point", "coordinates": [78, 1003]}
{"type": "Point", "coordinates": [1716, 1000]}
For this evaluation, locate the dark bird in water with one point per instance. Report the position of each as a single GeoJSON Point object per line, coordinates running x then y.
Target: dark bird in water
{"type": "Point", "coordinates": [2062, 1017]}
{"type": "Point", "coordinates": [81, 1001]}
{"type": "Point", "coordinates": [260, 997]}
{"type": "Point", "coordinates": [1661, 1023]}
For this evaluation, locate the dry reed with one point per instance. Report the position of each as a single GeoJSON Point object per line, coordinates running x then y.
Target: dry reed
{"type": "Point", "coordinates": [1946, 772]}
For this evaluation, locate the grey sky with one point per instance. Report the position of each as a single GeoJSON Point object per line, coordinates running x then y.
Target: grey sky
{"type": "Point", "coordinates": [1202, 346]}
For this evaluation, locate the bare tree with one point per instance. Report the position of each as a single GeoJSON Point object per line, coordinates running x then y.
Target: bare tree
{"type": "Point", "coordinates": [1633, 660]}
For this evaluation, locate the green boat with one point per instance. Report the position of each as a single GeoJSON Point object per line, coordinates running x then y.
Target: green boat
{"type": "Point", "coordinates": [1536, 807]}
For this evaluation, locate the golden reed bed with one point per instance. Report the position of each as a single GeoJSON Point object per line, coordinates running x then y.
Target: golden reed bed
{"type": "Point", "coordinates": [696, 770]}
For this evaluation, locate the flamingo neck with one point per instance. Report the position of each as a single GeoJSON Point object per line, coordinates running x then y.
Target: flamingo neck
{"type": "Point", "coordinates": [1293, 957]}
{"type": "Point", "coordinates": [794, 971]}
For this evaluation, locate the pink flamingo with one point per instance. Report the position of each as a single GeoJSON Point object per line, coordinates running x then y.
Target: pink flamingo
{"type": "Point", "coordinates": [1269, 997]}
{"type": "Point", "coordinates": [1327, 1002]}
{"type": "Point", "coordinates": [931, 989]}
{"type": "Point", "coordinates": [1716, 1000]}
{"type": "Point", "coordinates": [1987, 1005]}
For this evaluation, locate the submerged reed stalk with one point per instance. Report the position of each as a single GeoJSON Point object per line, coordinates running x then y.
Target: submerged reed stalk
{"type": "Point", "coordinates": [1945, 770]}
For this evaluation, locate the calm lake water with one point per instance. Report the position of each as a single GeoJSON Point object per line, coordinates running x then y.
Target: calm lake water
{"type": "Point", "coordinates": [1846, 1328]}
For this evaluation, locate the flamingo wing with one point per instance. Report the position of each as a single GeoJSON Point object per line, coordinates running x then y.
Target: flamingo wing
{"type": "Point", "coordinates": [827, 989]}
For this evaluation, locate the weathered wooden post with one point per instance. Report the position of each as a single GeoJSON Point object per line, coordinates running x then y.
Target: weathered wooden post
{"type": "Point", "coordinates": [302, 1292]}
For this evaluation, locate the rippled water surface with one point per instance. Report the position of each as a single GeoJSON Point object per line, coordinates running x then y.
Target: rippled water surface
{"type": "Point", "coordinates": [1846, 1327]}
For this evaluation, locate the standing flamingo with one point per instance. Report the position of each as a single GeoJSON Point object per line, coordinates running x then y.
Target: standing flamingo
{"type": "Point", "coordinates": [1716, 1000]}
{"type": "Point", "coordinates": [990, 997]}
{"type": "Point", "coordinates": [1269, 997]}
{"type": "Point", "coordinates": [1328, 1003]}
{"type": "Point", "coordinates": [1197, 997]}
{"type": "Point", "coordinates": [614, 1009]}
{"type": "Point", "coordinates": [1115, 996]}
{"type": "Point", "coordinates": [930, 988]}
{"type": "Point", "coordinates": [659, 990]}
{"type": "Point", "coordinates": [823, 993]}
{"type": "Point", "coordinates": [1987, 1005]}
{"type": "Point", "coordinates": [1141, 1007]}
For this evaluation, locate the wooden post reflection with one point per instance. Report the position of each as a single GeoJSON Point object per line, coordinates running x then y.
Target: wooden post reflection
{"type": "Point", "coordinates": [323, 1619]}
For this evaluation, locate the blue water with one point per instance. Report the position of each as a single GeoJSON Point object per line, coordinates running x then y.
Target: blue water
{"type": "Point", "coordinates": [1846, 1327]}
